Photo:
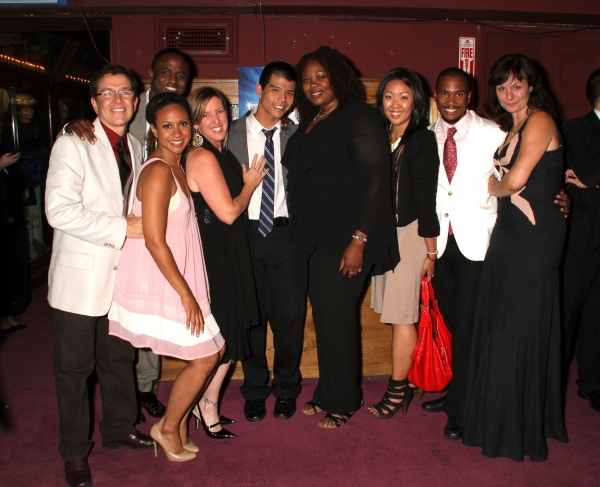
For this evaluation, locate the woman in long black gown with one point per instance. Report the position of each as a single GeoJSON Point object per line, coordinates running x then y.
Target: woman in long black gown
{"type": "Point", "coordinates": [513, 403]}
{"type": "Point", "coordinates": [221, 189]}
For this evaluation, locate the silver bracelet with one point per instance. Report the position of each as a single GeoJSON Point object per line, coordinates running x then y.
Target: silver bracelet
{"type": "Point", "coordinates": [358, 237]}
{"type": "Point", "coordinates": [432, 253]}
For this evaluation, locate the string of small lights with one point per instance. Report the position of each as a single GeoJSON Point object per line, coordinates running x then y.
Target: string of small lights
{"type": "Point", "coordinates": [19, 62]}
{"type": "Point", "coordinates": [75, 78]}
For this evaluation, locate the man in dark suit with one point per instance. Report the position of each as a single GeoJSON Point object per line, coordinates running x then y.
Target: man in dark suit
{"type": "Point", "coordinates": [581, 266]}
{"type": "Point", "coordinates": [280, 300]}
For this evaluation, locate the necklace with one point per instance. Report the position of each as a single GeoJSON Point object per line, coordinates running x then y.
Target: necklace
{"type": "Point", "coordinates": [318, 117]}
{"type": "Point", "coordinates": [518, 126]}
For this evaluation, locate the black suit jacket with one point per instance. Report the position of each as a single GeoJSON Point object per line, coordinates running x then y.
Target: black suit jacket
{"type": "Point", "coordinates": [340, 180]}
{"type": "Point", "coordinates": [582, 142]}
{"type": "Point", "coordinates": [416, 183]}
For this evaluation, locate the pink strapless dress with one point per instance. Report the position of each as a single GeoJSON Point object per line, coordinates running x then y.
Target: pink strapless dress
{"type": "Point", "coordinates": [146, 310]}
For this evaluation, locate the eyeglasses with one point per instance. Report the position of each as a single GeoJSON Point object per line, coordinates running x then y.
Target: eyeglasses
{"type": "Point", "coordinates": [110, 94]}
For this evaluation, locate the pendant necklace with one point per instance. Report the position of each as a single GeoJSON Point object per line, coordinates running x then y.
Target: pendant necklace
{"type": "Point", "coordinates": [318, 117]}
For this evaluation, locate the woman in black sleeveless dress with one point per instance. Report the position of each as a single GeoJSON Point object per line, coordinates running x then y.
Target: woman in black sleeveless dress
{"type": "Point", "coordinates": [513, 401]}
{"type": "Point", "coordinates": [221, 189]}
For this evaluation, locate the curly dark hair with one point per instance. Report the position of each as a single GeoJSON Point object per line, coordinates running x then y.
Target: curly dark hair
{"type": "Point", "coordinates": [156, 104]}
{"type": "Point", "coordinates": [420, 114]}
{"type": "Point", "coordinates": [521, 68]}
{"type": "Point", "coordinates": [342, 78]}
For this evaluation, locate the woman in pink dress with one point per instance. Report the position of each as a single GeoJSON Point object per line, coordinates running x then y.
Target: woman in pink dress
{"type": "Point", "coordinates": [161, 295]}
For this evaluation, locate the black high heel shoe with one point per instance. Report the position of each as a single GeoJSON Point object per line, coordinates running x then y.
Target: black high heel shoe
{"type": "Point", "coordinates": [198, 417]}
{"type": "Point", "coordinates": [401, 392]}
{"type": "Point", "coordinates": [223, 434]}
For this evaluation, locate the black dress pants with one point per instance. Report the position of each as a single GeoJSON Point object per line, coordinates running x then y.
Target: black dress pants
{"type": "Point", "coordinates": [80, 344]}
{"type": "Point", "coordinates": [283, 304]}
{"type": "Point", "coordinates": [334, 302]}
{"type": "Point", "coordinates": [581, 315]}
{"type": "Point", "coordinates": [456, 284]}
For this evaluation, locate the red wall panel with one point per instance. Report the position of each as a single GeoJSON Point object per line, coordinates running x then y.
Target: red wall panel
{"type": "Point", "coordinates": [375, 47]}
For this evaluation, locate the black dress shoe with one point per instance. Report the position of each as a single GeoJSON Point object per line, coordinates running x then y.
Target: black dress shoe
{"type": "Point", "coordinates": [434, 406]}
{"type": "Point", "coordinates": [592, 397]}
{"type": "Point", "coordinates": [285, 407]}
{"type": "Point", "coordinates": [452, 430]}
{"type": "Point", "coordinates": [254, 410]}
{"type": "Point", "coordinates": [140, 418]}
{"type": "Point", "coordinates": [77, 473]}
{"type": "Point", "coordinates": [150, 403]}
{"type": "Point", "coordinates": [136, 440]}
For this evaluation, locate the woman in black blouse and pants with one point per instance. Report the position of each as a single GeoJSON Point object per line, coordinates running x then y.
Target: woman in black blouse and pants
{"type": "Point", "coordinates": [340, 208]}
{"type": "Point", "coordinates": [415, 166]}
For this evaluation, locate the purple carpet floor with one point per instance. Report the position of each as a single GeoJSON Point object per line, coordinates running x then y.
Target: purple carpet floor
{"type": "Point", "coordinates": [404, 451]}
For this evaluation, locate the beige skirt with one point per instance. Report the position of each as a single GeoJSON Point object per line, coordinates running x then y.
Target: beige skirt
{"type": "Point", "coordinates": [396, 294]}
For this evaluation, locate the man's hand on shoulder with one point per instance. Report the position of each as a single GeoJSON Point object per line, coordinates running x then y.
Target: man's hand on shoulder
{"type": "Point", "coordinates": [84, 129]}
{"type": "Point", "coordinates": [134, 226]}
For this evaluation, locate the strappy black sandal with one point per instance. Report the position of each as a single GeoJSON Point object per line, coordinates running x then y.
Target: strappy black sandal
{"type": "Point", "coordinates": [401, 392]}
{"type": "Point", "coordinates": [314, 408]}
{"type": "Point", "coordinates": [338, 419]}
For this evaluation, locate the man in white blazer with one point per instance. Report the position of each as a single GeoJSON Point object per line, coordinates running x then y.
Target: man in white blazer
{"type": "Point", "coordinates": [85, 205]}
{"type": "Point", "coordinates": [467, 214]}
{"type": "Point", "coordinates": [169, 72]}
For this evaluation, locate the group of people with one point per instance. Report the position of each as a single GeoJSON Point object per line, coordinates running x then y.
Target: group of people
{"type": "Point", "coordinates": [226, 226]}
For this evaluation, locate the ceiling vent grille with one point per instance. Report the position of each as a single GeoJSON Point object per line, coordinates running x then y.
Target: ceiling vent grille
{"type": "Point", "coordinates": [205, 38]}
{"type": "Point", "coordinates": [197, 38]}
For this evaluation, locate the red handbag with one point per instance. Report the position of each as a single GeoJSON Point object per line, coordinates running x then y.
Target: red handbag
{"type": "Point", "coordinates": [432, 357]}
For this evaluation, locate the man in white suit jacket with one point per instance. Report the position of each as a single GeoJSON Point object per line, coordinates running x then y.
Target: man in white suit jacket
{"type": "Point", "coordinates": [85, 206]}
{"type": "Point", "coordinates": [466, 209]}
{"type": "Point", "coordinates": [170, 72]}
{"type": "Point", "coordinates": [467, 214]}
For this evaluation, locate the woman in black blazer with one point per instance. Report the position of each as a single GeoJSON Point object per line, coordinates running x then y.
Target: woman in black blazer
{"type": "Point", "coordinates": [342, 218]}
{"type": "Point", "coordinates": [415, 166]}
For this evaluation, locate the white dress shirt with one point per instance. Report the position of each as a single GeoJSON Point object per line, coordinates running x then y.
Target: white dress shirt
{"type": "Point", "coordinates": [256, 145]}
{"type": "Point", "coordinates": [460, 137]}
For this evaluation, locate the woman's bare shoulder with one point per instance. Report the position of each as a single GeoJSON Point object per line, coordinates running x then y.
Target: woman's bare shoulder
{"type": "Point", "coordinates": [200, 158]}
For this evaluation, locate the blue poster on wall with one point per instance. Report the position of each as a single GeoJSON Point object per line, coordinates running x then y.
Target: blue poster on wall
{"type": "Point", "coordinates": [248, 99]}
{"type": "Point", "coordinates": [247, 80]}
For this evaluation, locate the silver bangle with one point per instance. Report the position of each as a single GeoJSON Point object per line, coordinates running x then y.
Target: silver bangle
{"type": "Point", "coordinates": [432, 253]}
{"type": "Point", "coordinates": [358, 237]}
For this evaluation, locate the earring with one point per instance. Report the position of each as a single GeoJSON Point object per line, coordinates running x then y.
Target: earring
{"type": "Point", "coordinates": [197, 140]}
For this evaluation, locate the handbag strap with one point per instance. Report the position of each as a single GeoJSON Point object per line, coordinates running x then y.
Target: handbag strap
{"type": "Point", "coordinates": [430, 289]}
{"type": "Point", "coordinates": [426, 292]}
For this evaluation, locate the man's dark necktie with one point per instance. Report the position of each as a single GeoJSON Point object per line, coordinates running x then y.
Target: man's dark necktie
{"type": "Point", "coordinates": [267, 205]}
{"type": "Point", "coordinates": [125, 171]}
